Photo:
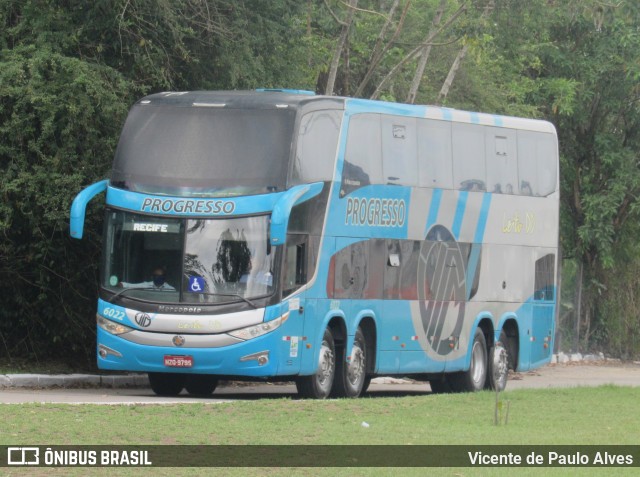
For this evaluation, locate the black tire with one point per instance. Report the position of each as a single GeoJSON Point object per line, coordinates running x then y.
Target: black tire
{"type": "Point", "coordinates": [498, 365]}
{"type": "Point", "coordinates": [366, 384]}
{"type": "Point", "coordinates": [475, 377]}
{"type": "Point", "coordinates": [167, 384]}
{"type": "Point", "coordinates": [440, 385]}
{"type": "Point", "coordinates": [351, 375]}
{"type": "Point", "coordinates": [319, 384]}
{"type": "Point", "coordinates": [201, 384]}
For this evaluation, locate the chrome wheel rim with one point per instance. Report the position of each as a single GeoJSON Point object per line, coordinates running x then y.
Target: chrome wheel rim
{"type": "Point", "coordinates": [357, 362]}
{"type": "Point", "coordinates": [477, 364]}
{"type": "Point", "coordinates": [500, 366]}
{"type": "Point", "coordinates": [326, 366]}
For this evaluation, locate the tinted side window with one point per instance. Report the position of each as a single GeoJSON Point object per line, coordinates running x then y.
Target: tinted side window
{"type": "Point", "coordinates": [296, 263]}
{"type": "Point", "coordinates": [316, 147]}
{"type": "Point", "coordinates": [399, 150]}
{"type": "Point", "coordinates": [468, 157]}
{"type": "Point", "coordinates": [545, 278]}
{"type": "Point", "coordinates": [362, 161]}
{"type": "Point", "coordinates": [501, 157]}
{"type": "Point", "coordinates": [537, 163]}
{"type": "Point", "coordinates": [434, 154]}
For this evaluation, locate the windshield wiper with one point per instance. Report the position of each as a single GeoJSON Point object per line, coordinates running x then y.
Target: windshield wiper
{"type": "Point", "coordinates": [235, 295]}
{"type": "Point", "coordinates": [122, 292]}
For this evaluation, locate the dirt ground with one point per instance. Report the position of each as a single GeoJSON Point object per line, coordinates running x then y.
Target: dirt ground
{"type": "Point", "coordinates": [578, 374]}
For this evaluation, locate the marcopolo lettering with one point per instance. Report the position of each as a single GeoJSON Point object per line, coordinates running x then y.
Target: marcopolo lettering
{"type": "Point", "coordinates": [375, 212]}
{"type": "Point", "coordinates": [187, 206]}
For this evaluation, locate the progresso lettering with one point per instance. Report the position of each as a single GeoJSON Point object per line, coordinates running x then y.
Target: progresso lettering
{"type": "Point", "coordinates": [375, 212]}
{"type": "Point", "coordinates": [187, 206]}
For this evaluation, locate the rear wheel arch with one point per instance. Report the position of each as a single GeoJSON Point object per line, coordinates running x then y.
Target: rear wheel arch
{"type": "Point", "coordinates": [511, 335]}
{"type": "Point", "coordinates": [369, 329]}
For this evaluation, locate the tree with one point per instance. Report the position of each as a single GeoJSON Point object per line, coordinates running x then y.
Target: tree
{"type": "Point", "coordinates": [587, 85]}
{"type": "Point", "coordinates": [59, 120]}
{"type": "Point", "coordinates": [69, 72]}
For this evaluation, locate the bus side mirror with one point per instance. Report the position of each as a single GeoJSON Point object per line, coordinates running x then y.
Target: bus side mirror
{"type": "Point", "coordinates": [282, 209]}
{"type": "Point", "coordinates": [79, 207]}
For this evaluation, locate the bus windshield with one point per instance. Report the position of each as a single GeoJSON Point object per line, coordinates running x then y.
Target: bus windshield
{"type": "Point", "coordinates": [203, 151]}
{"type": "Point", "coordinates": [173, 260]}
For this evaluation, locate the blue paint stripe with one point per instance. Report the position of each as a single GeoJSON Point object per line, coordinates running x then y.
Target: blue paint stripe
{"type": "Point", "coordinates": [475, 118]}
{"type": "Point", "coordinates": [482, 220]}
{"type": "Point", "coordinates": [472, 266]}
{"type": "Point", "coordinates": [447, 114]}
{"type": "Point", "coordinates": [476, 247]}
{"type": "Point", "coordinates": [434, 208]}
{"type": "Point", "coordinates": [356, 105]}
{"type": "Point", "coordinates": [497, 120]}
{"type": "Point", "coordinates": [457, 220]}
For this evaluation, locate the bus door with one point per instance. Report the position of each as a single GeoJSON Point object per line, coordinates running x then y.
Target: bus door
{"type": "Point", "coordinates": [296, 270]}
{"type": "Point", "coordinates": [544, 300]}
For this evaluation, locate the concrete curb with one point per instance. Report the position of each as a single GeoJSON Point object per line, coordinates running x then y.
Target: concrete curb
{"type": "Point", "coordinates": [73, 381]}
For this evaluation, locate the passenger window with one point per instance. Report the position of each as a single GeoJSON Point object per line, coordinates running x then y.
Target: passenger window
{"type": "Point", "coordinates": [399, 151]}
{"type": "Point", "coordinates": [363, 161]}
{"type": "Point", "coordinates": [316, 147]}
{"type": "Point", "coordinates": [501, 159]}
{"type": "Point", "coordinates": [434, 154]}
{"type": "Point", "coordinates": [468, 157]}
{"type": "Point", "coordinates": [537, 163]}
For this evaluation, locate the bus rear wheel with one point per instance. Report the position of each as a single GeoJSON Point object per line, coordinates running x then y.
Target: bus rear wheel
{"type": "Point", "coordinates": [318, 385]}
{"type": "Point", "coordinates": [475, 377]}
{"type": "Point", "coordinates": [351, 375]}
{"type": "Point", "coordinates": [498, 365]}
{"type": "Point", "coordinates": [201, 384]}
{"type": "Point", "coordinates": [167, 384]}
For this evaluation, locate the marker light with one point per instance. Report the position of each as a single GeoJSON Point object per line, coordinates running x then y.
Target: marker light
{"type": "Point", "coordinates": [258, 330]}
{"type": "Point", "coordinates": [112, 327]}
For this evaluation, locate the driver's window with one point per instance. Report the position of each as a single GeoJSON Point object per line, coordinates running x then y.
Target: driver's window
{"type": "Point", "coordinates": [296, 258]}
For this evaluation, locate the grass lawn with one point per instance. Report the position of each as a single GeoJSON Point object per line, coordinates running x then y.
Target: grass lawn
{"type": "Point", "coordinates": [606, 415]}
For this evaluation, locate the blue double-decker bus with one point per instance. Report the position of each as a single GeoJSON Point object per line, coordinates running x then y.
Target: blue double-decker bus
{"type": "Point", "coordinates": [279, 234]}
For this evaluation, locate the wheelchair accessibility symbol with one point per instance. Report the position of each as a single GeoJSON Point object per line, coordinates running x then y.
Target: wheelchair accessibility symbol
{"type": "Point", "coordinates": [196, 284]}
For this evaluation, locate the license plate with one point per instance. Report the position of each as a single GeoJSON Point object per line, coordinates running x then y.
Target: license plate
{"type": "Point", "coordinates": [172, 361]}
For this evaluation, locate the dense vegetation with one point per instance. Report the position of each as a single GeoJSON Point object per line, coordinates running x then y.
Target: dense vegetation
{"type": "Point", "coordinates": [69, 70]}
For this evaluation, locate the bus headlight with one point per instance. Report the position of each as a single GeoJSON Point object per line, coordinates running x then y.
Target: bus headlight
{"type": "Point", "coordinates": [258, 330]}
{"type": "Point", "coordinates": [112, 327]}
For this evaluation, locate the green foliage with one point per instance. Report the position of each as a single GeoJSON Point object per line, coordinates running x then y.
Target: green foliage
{"type": "Point", "coordinates": [59, 122]}
{"type": "Point", "coordinates": [69, 70]}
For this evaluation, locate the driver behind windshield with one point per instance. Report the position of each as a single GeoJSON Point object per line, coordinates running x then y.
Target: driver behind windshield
{"type": "Point", "coordinates": [157, 282]}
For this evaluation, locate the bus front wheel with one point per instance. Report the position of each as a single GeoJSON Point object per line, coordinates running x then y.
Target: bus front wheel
{"type": "Point", "coordinates": [201, 384]}
{"type": "Point", "coordinates": [318, 385]}
{"type": "Point", "coordinates": [167, 384]}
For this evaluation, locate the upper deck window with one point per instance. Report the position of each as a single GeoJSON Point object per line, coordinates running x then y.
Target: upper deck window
{"type": "Point", "coordinates": [193, 151]}
{"type": "Point", "coordinates": [316, 147]}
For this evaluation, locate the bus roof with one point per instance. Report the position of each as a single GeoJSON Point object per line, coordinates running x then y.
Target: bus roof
{"type": "Point", "coordinates": [302, 99]}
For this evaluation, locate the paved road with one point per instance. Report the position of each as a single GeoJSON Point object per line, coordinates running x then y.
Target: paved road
{"type": "Point", "coordinates": [547, 377]}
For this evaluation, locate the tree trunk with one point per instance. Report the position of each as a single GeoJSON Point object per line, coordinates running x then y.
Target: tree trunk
{"type": "Point", "coordinates": [444, 91]}
{"type": "Point", "coordinates": [424, 56]}
{"type": "Point", "coordinates": [578, 309]}
{"type": "Point", "coordinates": [378, 50]}
{"type": "Point", "coordinates": [415, 52]}
{"type": "Point", "coordinates": [342, 40]}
